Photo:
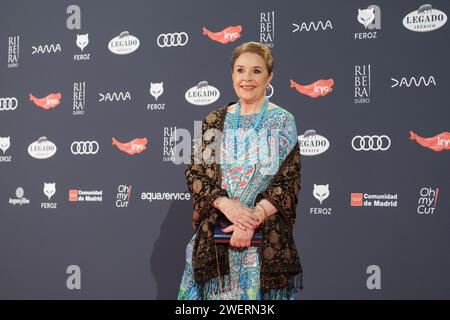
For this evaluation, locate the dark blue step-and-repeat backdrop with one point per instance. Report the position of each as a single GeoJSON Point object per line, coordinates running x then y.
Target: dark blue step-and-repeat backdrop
{"type": "Point", "coordinates": [100, 102]}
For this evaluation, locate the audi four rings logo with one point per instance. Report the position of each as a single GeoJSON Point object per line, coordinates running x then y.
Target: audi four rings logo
{"type": "Point", "coordinates": [8, 104]}
{"type": "Point", "coordinates": [84, 147]}
{"type": "Point", "coordinates": [373, 143]}
{"type": "Point", "coordinates": [172, 39]}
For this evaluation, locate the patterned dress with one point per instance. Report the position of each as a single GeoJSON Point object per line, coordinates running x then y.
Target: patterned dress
{"type": "Point", "coordinates": [246, 171]}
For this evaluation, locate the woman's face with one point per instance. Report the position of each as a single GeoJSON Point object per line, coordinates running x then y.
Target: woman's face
{"type": "Point", "coordinates": [250, 77]}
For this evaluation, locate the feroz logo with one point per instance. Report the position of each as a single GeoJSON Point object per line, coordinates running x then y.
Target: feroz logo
{"type": "Point", "coordinates": [225, 36]}
{"type": "Point", "coordinates": [316, 89]}
{"type": "Point", "coordinates": [424, 19]}
{"type": "Point", "coordinates": [413, 81]}
{"type": "Point", "coordinates": [84, 147]}
{"type": "Point", "coordinates": [5, 143]}
{"type": "Point", "coordinates": [42, 148]}
{"type": "Point", "coordinates": [176, 39]}
{"type": "Point", "coordinates": [202, 94]}
{"type": "Point", "coordinates": [427, 200]}
{"type": "Point", "coordinates": [267, 28]}
{"type": "Point", "coordinates": [370, 18]}
{"type": "Point", "coordinates": [312, 144]}
{"type": "Point", "coordinates": [312, 26]}
{"type": "Point", "coordinates": [82, 41]}
{"type": "Point", "coordinates": [156, 90]}
{"type": "Point", "coordinates": [79, 94]}
{"type": "Point", "coordinates": [371, 143]}
{"type": "Point", "coordinates": [13, 52]}
{"type": "Point", "coordinates": [48, 102]}
{"type": "Point", "coordinates": [123, 196]}
{"type": "Point", "coordinates": [132, 147]}
{"type": "Point", "coordinates": [362, 84]}
{"type": "Point", "coordinates": [49, 191]}
{"type": "Point", "coordinates": [124, 43]}
{"type": "Point", "coordinates": [439, 142]}
{"type": "Point", "coordinates": [321, 192]}
{"type": "Point", "coordinates": [8, 104]}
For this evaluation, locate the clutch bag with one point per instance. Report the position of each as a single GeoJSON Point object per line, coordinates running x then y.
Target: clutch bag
{"type": "Point", "coordinates": [221, 237]}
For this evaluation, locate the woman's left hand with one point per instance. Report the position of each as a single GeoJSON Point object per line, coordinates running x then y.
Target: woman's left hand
{"type": "Point", "coordinates": [240, 238]}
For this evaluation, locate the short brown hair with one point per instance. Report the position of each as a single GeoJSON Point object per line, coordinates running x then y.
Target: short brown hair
{"type": "Point", "coordinates": [253, 47]}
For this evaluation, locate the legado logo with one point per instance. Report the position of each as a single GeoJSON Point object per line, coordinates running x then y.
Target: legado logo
{"type": "Point", "coordinates": [427, 200]}
{"type": "Point", "coordinates": [225, 36]}
{"type": "Point", "coordinates": [439, 142]}
{"type": "Point", "coordinates": [424, 19]}
{"type": "Point", "coordinates": [8, 104]}
{"type": "Point", "coordinates": [321, 192]}
{"type": "Point", "coordinates": [371, 143]}
{"type": "Point", "coordinates": [373, 200]}
{"type": "Point", "coordinates": [312, 25]}
{"type": "Point", "coordinates": [132, 147]}
{"type": "Point", "coordinates": [176, 39]}
{"type": "Point", "coordinates": [84, 147]}
{"type": "Point", "coordinates": [312, 144]}
{"type": "Point", "coordinates": [202, 94]}
{"type": "Point", "coordinates": [316, 89]}
{"type": "Point", "coordinates": [413, 81]}
{"type": "Point", "coordinates": [150, 196]}
{"type": "Point", "coordinates": [124, 43]}
{"type": "Point", "coordinates": [42, 149]}
{"type": "Point", "coordinates": [48, 102]}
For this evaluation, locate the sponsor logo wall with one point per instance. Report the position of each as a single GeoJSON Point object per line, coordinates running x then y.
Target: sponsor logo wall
{"type": "Point", "coordinates": [98, 118]}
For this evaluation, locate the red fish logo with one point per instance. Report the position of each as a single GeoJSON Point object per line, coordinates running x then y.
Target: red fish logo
{"type": "Point", "coordinates": [227, 35]}
{"type": "Point", "coordinates": [133, 147]}
{"type": "Point", "coordinates": [317, 89]}
{"type": "Point", "coordinates": [48, 102]}
{"type": "Point", "coordinates": [439, 142]}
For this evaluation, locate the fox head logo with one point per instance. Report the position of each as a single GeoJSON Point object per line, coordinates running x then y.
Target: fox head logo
{"type": "Point", "coordinates": [49, 189]}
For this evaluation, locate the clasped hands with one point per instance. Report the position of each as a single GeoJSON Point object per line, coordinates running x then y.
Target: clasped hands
{"type": "Point", "coordinates": [245, 220]}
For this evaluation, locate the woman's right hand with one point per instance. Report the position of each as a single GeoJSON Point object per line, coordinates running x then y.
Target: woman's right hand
{"type": "Point", "coordinates": [239, 214]}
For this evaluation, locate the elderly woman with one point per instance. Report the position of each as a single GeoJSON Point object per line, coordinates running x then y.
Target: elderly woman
{"type": "Point", "coordinates": [245, 169]}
